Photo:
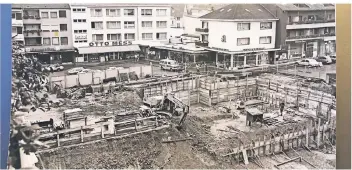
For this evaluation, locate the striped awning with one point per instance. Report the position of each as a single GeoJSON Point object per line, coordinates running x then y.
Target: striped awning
{"type": "Point", "coordinates": [108, 49]}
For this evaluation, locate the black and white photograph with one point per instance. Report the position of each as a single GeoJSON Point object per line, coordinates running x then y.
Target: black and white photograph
{"type": "Point", "coordinates": [173, 86]}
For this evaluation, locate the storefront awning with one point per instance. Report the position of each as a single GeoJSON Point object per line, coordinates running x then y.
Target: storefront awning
{"type": "Point", "coordinates": [241, 52]}
{"type": "Point", "coordinates": [108, 49]}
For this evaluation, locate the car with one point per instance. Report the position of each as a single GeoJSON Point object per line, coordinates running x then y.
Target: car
{"type": "Point", "coordinates": [333, 58]}
{"type": "Point", "coordinates": [172, 65]}
{"type": "Point", "coordinates": [309, 63]}
{"type": "Point", "coordinates": [114, 68]}
{"type": "Point", "coordinates": [324, 59]}
{"type": "Point", "coordinates": [54, 67]}
{"type": "Point", "coordinates": [85, 71]}
{"type": "Point", "coordinates": [75, 70]}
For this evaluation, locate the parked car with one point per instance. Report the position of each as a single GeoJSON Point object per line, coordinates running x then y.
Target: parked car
{"type": "Point", "coordinates": [333, 58]}
{"type": "Point", "coordinates": [309, 63]}
{"type": "Point", "coordinates": [75, 70]}
{"type": "Point", "coordinates": [172, 65]}
{"type": "Point", "coordinates": [54, 67]}
{"type": "Point", "coordinates": [324, 59]}
{"type": "Point", "coordinates": [85, 71]}
{"type": "Point", "coordinates": [114, 68]}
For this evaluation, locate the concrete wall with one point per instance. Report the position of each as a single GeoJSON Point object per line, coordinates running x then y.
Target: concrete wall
{"type": "Point", "coordinates": [229, 29]}
{"type": "Point", "coordinates": [85, 79]}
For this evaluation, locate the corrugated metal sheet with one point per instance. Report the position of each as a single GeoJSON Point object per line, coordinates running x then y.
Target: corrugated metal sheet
{"type": "Point", "coordinates": [108, 49]}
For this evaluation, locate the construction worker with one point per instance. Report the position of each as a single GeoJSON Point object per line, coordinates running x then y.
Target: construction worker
{"type": "Point", "coordinates": [282, 106]}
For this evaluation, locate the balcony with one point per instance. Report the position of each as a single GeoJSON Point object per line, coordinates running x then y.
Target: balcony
{"type": "Point", "coordinates": [32, 33]}
{"type": "Point", "coordinates": [202, 44]}
{"type": "Point", "coordinates": [17, 23]}
{"type": "Point", "coordinates": [33, 19]}
{"type": "Point", "coordinates": [17, 37]}
{"type": "Point", "coordinates": [203, 30]}
{"type": "Point", "coordinates": [309, 37]}
{"type": "Point", "coordinates": [311, 24]}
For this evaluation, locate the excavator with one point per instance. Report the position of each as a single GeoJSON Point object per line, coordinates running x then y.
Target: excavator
{"type": "Point", "coordinates": [168, 105]}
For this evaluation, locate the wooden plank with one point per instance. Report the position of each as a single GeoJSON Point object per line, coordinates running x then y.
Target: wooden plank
{"type": "Point", "coordinates": [245, 157]}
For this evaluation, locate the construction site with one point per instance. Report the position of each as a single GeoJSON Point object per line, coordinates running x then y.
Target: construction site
{"type": "Point", "coordinates": [188, 121]}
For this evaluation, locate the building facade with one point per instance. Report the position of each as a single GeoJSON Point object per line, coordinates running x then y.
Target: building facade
{"type": "Point", "coordinates": [97, 27]}
{"type": "Point", "coordinates": [305, 30]}
{"type": "Point", "coordinates": [243, 34]}
{"type": "Point", "coordinates": [17, 25]}
{"type": "Point", "coordinates": [46, 31]}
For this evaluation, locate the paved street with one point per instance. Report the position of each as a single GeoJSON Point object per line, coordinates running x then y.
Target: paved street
{"type": "Point", "coordinates": [311, 72]}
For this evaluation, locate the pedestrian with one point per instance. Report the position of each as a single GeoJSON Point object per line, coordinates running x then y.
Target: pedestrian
{"type": "Point", "coordinates": [282, 106]}
{"type": "Point", "coordinates": [197, 67]}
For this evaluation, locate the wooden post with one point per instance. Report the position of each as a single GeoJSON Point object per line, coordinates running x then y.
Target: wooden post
{"type": "Point", "coordinates": [58, 139]}
{"type": "Point", "coordinates": [81, 133]}
{"type": "Point", "coordinates": [318, 135]}
{"type": "Point", "coordinates": [307, 133]}
{"type": "Point", "coordinates": [102, 131]}
{"type": "Point", "coordinates": [209, 102]}
{"type": "Point", "coordinates": [156, 121]}
{"type": "Point", "coordinates": [135, 125]}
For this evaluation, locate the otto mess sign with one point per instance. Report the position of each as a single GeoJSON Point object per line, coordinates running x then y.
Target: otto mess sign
{"type": "Point", "coordinates": [113, 43]}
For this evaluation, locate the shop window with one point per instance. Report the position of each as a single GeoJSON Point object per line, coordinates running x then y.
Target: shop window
{"type": "Point", "coordinates": [97, 37]}
{"type": "Point", "coordinates": [55, 40]}
{"type": "Point", "coordinates": [128, 12]}
{"type": "Point", "coordinates": [62, 14]}
{"type": "Point", "coordinates": [265, 40]}
{"type": "Point", "coordinates": [243, 41]}
{"type": "Point", "coordinates": [251, 60]}
{"type": "Point", "coordinates": [266, 25]}
{"type": "Point", "coordinates": [129, 36]}
{"type": "Point", "coordinates": [46, 41]}
{"type": "Point", "coordinates": [53, 14]}
{"type": "Point", "coordinates": [146, 12]}
{"type": "Point", "coordinates": [64, 40]}
{"type": "Point", "coordinates": [63, 27]}
{"type": "Point", "coordinates": [113, 37]}
{"type": "Point", "coordinates": [243, 26]}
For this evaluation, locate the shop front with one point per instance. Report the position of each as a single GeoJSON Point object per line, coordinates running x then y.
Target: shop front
{"type": "Point", "coordinates": [180, 54]}
{"type": "Point", "coordinates": [52, 55]}
{"type": "Point", "coordinates": [107, 51]}
{"type": "Point", "coordinates": [311, 48]}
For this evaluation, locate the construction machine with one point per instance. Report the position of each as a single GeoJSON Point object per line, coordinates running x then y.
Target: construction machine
{"type": "Point", "coordinates": [157, 105]}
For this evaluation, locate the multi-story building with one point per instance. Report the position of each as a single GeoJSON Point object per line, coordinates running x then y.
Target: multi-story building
{"type": "Point", "coordinates": [98, 26]}
{"type": "Point", "coordinates": [17, 25]}
{"type": "Point", "coordinates": [47, 31]}
{"type": "Point", "coordinates": [243, 34]}
{"type": "Point", "coordinates": [177, 26]}
{"type": "Point", "coordinates": [305, 30]}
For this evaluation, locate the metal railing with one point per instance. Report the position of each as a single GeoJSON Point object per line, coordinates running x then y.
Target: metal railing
{"type": "Point", "coordinates": [202, 29]}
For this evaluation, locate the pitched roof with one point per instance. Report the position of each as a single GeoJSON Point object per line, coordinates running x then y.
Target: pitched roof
{"type": "Point", "coordinates": [310, 7]}
{"type": "Point", "coordinates": [41, 6]}
{"type": "Point", "coordinates": [177, 10]}
{"type": "Point", "coordinates": [240, 12]}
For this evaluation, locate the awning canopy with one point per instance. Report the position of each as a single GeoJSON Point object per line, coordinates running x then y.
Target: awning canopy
{"type": "Point", "coordinates": [240, 52]}
{"type": "Point", "coordinates": [108, 49]}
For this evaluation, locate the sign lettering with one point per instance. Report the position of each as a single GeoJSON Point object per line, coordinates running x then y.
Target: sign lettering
{"type": "Point", "coordinates": [253, 49]}
{"type": "Point", "coordinates": [114, 43]}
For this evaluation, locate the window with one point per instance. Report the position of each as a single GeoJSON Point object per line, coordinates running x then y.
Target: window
{"type": "Point", "coordinates": [242, 41]}
{"type": "Point", "coordinates": [161, 12]}
{"type": "Point", "coordinates": [97, 37]}
{"type": "Point", "coordinates": [128, 12]}
{"type": "Point", "coordinates": [147, 36]}
{"type": "Point", "coordinates": [243, 26]}
{"type": "Point", "coordinates": [19, 30]}
{"type": "Point", "coordinates": [311, 17]}
{"type": "Point", "coordinates": [62, 14]}
{"type": "Point", "coordinates": [63, 27]}
{"type": "Point", "coordinates": [113, 37]}
{"type": "Point", "coordinates": [147, 24]}
{"type": "Point", "coordinates": [161, 36]}
{"type": "Point", "coordinates": [289, 19]}
{"type": "Point", "coordinates": [45, 15]}
{"type": "Point", "coordinates": [147, 12]}
{"type": "Point", "coordinates": [55, 40]}
{"type": "Point", "coordinates": [96, 12]}
{"type": "Point", "coordinates": [46, 41]}
{"type": "Point", "coordinates": [13, 15]}
{"type": "Point", "coordinates": [80, 31]}
{"type": "Point", "coordinates": [17, 16]}
{"type": "Point", "coordinates": [64, 40]}
{"type": "Point", "coordinates": [14, 29]}
{"type": "Point", "coordinates": [301, 5]}
{"type": "Point", "coordinates": [265, 40]}
{"type": "Point", "coordinates": [53, 14]}
{"type": "Point", "coordinates": [113, 24]}
{"type": "Point", "coordinates": [330, 16]}
{"type": "Point", "coordinates": [266, 25]}
{"type": "Point", "coordinates": [79, 20]}
{"type": "Point", "coordinates": [328, 5]}
{"type": "Point", "coordinates": [112, 12]}
{"type": "Point", "coordinates": [33, 41]}
{"type": "Point", "coordinates": [178, 18]}
{"type": "Point", "coordinates": [178, 25]}
{"type": "Point", "coordinates": [129, 36]}
{"type": "Point", "coordinates": [79, 10]}
{"type": "Point", "coordinates": [83, 41]}
{"type": "Point", "coordinates": [161, 24]}
{"type": "Point", "coordinates": [97, 25]}
{"type": "Point", "coordinates": [129, 24]}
